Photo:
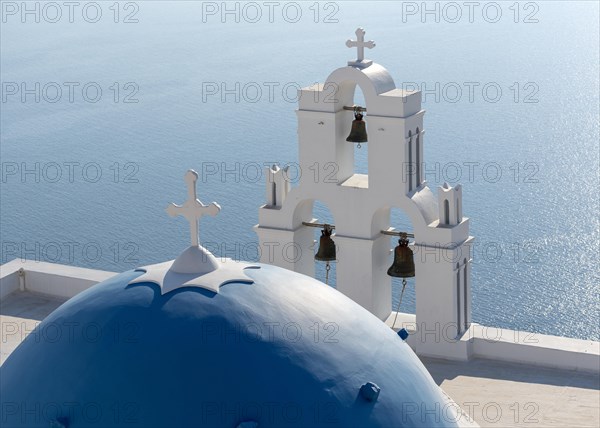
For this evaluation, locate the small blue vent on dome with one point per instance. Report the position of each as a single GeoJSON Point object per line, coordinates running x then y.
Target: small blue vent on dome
{"type": "Point", "coordinates": [403, 333]}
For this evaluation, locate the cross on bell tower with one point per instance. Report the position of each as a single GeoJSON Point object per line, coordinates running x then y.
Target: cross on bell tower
{"type": "Point", "coordinates": [360, 46]}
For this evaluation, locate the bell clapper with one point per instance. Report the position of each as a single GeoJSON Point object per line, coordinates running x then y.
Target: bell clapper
{"type": "Point", "coordinates": [327, 269]}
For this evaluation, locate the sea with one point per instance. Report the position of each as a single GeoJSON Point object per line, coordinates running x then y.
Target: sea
{"type": "Point", "coordinates": [106, 104]}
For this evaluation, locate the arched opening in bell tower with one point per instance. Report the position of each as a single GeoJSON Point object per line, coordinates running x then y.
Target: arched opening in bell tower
{"type": "Point", "coordinates": [458, 300]}
{"type": "Point", "coordinates": [352, 153]}
{"type": "Point", "coordinates": [418, 156]}
{"type": "Point", "coordinates": [361, 150]}
{"type": "Point", "coordinates": [414, 157]}
{"type": "Point", "coordinates": [465, 295]}
{"type": "Point", "coordinates": [446, 219]}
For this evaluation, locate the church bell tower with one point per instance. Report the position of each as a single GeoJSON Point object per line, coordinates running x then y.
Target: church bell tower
{"type": "Point", "coordinates": [360, 204]}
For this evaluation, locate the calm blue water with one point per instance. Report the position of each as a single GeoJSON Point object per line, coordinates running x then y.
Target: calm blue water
{"type": "Point", "coordinates": [101, 173]}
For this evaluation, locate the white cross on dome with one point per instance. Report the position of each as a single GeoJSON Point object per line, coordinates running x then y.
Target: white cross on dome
{"type": "Point", "coordinates": [195, 266]}
{"type": "Point", "coordinates": [193, 209]}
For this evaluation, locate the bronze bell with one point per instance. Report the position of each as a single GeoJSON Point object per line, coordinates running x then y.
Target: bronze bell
{"type": "Point", "coordinates": [404, 264]}
{"type": "Point", "coordinates": [326, 252]}
{"type": "Point", "coordinates": [358, 133]}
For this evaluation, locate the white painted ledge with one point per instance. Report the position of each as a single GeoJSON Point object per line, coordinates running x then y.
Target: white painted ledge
{"type": "Point", "coordinates": [535, 349]}
{"type": "Point", "coordinates": [48, 278]}
{"type": "Point", "coordinates": [513, 346]}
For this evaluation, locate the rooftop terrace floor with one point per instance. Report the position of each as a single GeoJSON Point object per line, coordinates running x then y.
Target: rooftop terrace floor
{"type": "Point", "coordinates": [494, 394]}
{"type": "Point", "coordinates": [499, 394]}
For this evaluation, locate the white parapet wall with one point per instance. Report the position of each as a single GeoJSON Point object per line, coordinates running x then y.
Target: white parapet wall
{"type": "Point", "coordinates": [49, 279]}
{"type": "Point", "coordinates": [514, 346]}
{"type": "Point", "coordinates": [491, 343]}
{"type": "Point", "coordinates": [533, 348]}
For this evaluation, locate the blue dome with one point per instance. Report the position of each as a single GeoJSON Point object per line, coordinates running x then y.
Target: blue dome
{"type": "Point", "coordinates": [286, 350]}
